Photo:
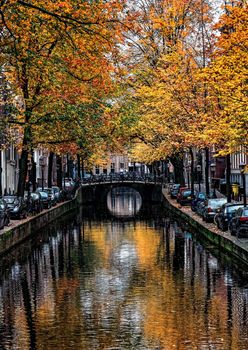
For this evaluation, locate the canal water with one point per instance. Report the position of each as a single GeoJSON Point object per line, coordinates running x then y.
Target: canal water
{"type": "Point", "coordinates": [125, 276]}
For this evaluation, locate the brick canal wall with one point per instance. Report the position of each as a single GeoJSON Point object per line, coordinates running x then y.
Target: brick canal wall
{"type": "Point", "coordinates": [21, 230]}
{"type": "Point", "coordinates": [236, 248]}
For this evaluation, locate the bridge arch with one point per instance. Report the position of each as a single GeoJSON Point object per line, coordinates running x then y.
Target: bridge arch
{"type": "Point", "coordinates": [97, 192]}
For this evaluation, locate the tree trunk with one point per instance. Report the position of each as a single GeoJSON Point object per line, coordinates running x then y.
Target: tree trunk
{"type": "Point", "coordinates": [33, 173]}
{"type": "Point", "coordinates": [1, 170]}
{"type": "Point", "coordinates": [59, 171]}
{"type": "Point", "coordinates": [228, 179]}
{"type": "Point", "coordinates": [177, 162]}
{"type": "Point", "coordinates": [67, 166]}
{"type": "Point", "coordinates": [207, 171]}
{"type": "Point", "coordinates": [23, 161]}
{"type": "Point", "coordinates": [23, 169]}
{"type": "Point", "coordinates": [192, 172]}
{"type": "Point", "coordinates": [82, 168]}
{"type": "Point", "coordinates": [78, 167]}
{"type": "Point", "coordinates": [50, 169]}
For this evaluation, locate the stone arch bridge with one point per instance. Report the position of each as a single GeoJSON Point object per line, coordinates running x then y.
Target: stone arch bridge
{"type": "Point", "coordinates": [97, 191]}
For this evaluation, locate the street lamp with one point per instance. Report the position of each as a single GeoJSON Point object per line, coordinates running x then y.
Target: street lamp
{"type": "Point", "coordinates": [242, 167]}
{"type": "Point", "coordinates": [42, 164]}
{"type": "Point", "coordinates": [198, 169]}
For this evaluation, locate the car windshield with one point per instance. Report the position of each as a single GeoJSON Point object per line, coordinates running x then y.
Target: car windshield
{"type": "Point", "coordinates": [186, 193]}
{"type": "Point", "coordinates": [11, 200]}
{"type": "Point", "coordinates": [175, 186]}
{"type": "Point", "coordinates": [245, 213]}
{"type": "Point", "coordinates": [43, 194]}
{"type": "Point", "coordinates": [233, 208]}
{"type": "Point", "coordinates": [34, 196]}
{"type": "Point", "coordinates": [216, 203]}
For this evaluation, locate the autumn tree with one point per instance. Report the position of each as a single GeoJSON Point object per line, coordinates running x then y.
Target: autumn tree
{"type": "Point", "coordinates": [169, 44]}
{"type": "Point", "coordinates": [55, 53]}
{"type": "Point", "coordinates": [227, 78]}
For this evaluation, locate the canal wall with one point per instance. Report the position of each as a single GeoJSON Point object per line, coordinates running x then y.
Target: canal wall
{"type": "Point", "coordinates": [23, 229]}
{"type": "Point", "coordinates": [232, 246]}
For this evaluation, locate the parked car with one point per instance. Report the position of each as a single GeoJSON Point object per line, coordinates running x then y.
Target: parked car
{"type": "Point", "coordinates": [238, 225]}
{"type": "Point", "coordinates": [170, 186]}
{"type": "Point", "coordinates": [45, 199]}
{"type": "Point", "coordinates": [225, 214]}
{"type": "Point", "coordinates": [68, 184]}
{"type": "Point", "coordinates": [174, 190]}
{"type": "Point", "coordinates": [69, 179]}
{"type": "Point", "coordinates": [4, 214]}
{"type": "Point", "coordinates": [17, 206]}
{"type": "Point", "coordinates": [199, 197]}
{"type": "Point", "coordinates": [210, 208]}
{"type": "Point", "coordinates": [181, 189]}
{"type": "Point", "coordinates": [200, 207]}
{"type": "Point", "coordinates": [33, 202]}
{"type": "Point", "coordinates": [36, 203]}
{"type": "Point", "coordinates": [50, 192]}
{"type": "Point", "coordinates": [57, 193]}
{"type": "Point", "coordinates": [185, 197]}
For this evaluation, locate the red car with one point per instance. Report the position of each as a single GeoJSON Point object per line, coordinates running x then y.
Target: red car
{"type": "Point", "coordinates": [185, 197]}
{"type": "Point", "coordinates": [181, 189]}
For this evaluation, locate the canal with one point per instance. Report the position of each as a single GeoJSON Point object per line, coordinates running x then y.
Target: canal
{"type": "Point", "coordinates": [121, 277]}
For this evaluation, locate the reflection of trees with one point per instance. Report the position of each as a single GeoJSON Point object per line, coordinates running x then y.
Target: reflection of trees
{"type": "Point", "coordinates": [28, 312]}
{"type": "Point", "coordinates": [112, 284]}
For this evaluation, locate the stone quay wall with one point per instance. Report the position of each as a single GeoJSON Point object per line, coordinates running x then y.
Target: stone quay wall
{"type": "Point", "coordinates": [23, 229]}
{"type": "Point", "coordinates": [230, 245]}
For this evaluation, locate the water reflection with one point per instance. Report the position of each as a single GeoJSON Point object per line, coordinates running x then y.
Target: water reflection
{"type": "Point", "coordinates": [124, 202]}
{"type": "Point", "coordinates": [121, 285]}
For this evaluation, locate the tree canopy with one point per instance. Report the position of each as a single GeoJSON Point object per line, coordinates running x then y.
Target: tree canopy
{"type": "Point", "coordinates": [156, 77]}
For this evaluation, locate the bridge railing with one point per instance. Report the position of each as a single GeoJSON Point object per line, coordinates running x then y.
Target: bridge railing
{"type": "Point", "coordinates": [123, 177]}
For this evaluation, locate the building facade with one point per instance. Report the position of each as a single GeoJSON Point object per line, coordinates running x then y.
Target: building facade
{"type": "Point", "coordinates": [119, 163]}
{"type": "Point", "coordinates": [238, 160]}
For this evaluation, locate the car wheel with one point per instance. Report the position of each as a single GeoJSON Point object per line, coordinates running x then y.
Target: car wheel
{"type": "Point", "coordinates": [223, 228]}
{"type": "Point", "coordinates": [207, 219]}
{"type": "Point", "coordinates": [6, 221]}
{"type": "Point", "coordinates": [231, 231]}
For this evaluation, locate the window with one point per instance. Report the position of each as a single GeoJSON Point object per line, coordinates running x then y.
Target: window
{"type": "Point", "coordinates": [97, 170]}
{"type": "Point", "coordinates": [112, 169]}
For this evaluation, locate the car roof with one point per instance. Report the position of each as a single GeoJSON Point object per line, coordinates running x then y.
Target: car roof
{"type": "Point", "coordinates": [233, 204]}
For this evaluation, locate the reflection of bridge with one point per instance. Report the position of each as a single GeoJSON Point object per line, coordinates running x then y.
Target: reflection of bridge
{"type": "Point", "coordinates": [96, 187]}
